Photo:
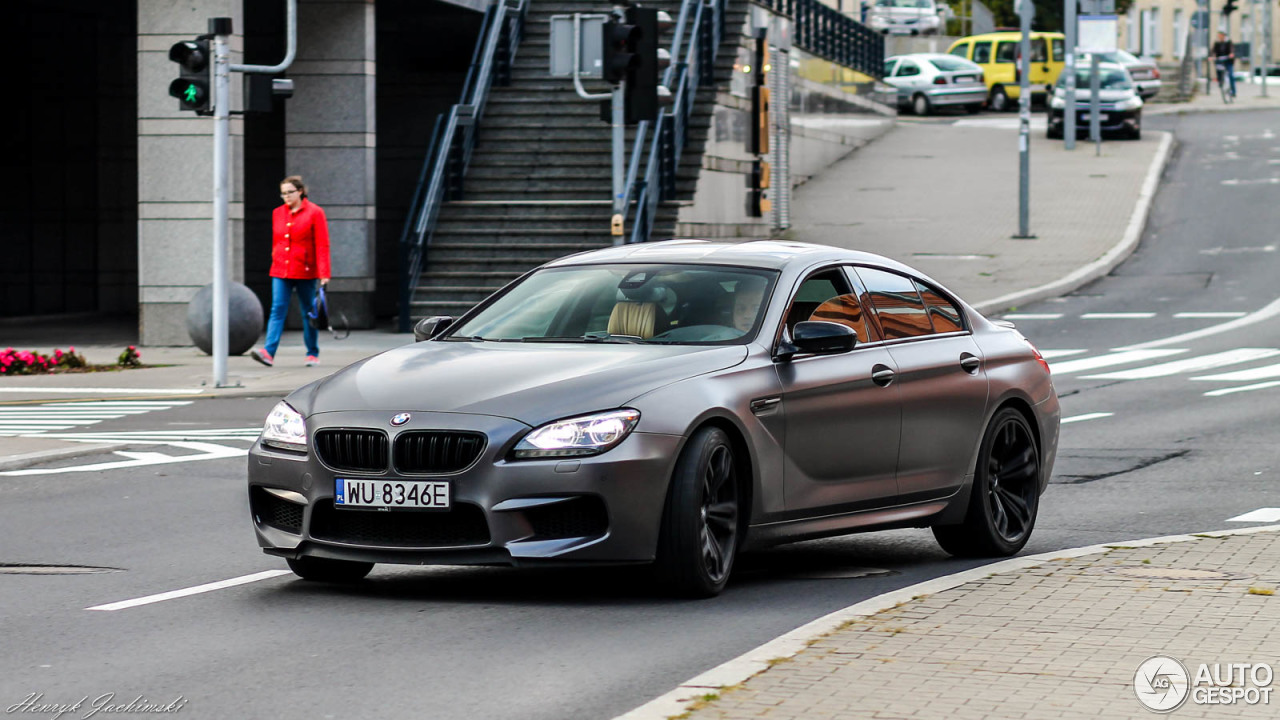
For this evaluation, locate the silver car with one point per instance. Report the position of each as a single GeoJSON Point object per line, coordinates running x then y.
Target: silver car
{"type": "Point", "coordinates": [1145, 74]}
{"type": "Point", "coordinates": [930, 80]}
{"type": "Point", "coordinates": [666, 404]}
{"type": "Point", "coordinates": [904, 17]}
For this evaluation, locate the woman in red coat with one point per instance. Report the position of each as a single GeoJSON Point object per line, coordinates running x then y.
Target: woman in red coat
{"type": "Point", "coordinates": [299, 257]}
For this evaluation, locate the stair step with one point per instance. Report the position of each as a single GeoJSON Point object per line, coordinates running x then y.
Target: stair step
{"type": "Point", "coordinates": [522, 236]}
{"type": "Point", "coordinates": [505, 252]}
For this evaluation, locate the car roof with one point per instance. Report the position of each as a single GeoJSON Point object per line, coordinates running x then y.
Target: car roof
{"type": "Point", "coordinates": [1006, 35]}
{"type": "Point", "coordinates": [772, 254]}
{"type": "Point", "coordinates": [928, 56]}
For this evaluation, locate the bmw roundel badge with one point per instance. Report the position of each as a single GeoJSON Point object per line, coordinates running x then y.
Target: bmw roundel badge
{"type": "Point", "coordinates": [400, 419]}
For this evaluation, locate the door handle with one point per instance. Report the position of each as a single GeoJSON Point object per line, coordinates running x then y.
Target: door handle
{"type": "Point", "coordinates": [970, 363]}
{"type": "Point", "coordinates": [882, 375]}
{"type": "Point", "coordinates": [760, 405]}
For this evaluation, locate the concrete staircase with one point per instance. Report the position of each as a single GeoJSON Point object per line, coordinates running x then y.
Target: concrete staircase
{"type": "Point", "coordinates": [539, 183]}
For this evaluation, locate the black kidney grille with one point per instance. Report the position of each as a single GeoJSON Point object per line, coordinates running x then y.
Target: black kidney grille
{"type": "Point", "coordinates": [276, 512]}
{"type": "Point", "coordinates": [464, 524]}
{"type": "Point", "coordinates": [580, 517]}
{"type": "Point", "coordinates": [359, 450]}
{"type": "Point", "coordinates": [437, 451]}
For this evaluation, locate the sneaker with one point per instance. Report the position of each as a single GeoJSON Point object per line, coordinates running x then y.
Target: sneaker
{"type": "Point", "coordinates": [312, 361]}
{"type": "Point", "coordinates": [263, 357]}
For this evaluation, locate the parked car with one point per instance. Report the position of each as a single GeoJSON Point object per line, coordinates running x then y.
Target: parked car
{"type": "Point", "coordinates": [904, 17]}
{"type": "Point", "coordinates": [1120, 107]}
{"type": "Point", "coordinates": [929, 80]}
{"type": "Point", "coordinates": [1145, 74]}
{"type": "Point", "coordinates": [997, 54]}
{"type": "Point", "coordinates": [669, 403]}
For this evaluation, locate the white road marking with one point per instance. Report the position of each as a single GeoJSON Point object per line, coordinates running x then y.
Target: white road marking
{"type": "Point", "coordinates": [198, 589]}
{"type": "Point", "coordinates": [1117, 316]}
{"type": "Point", "coordinates": [103, 391]}
{"type": "Point", "coordinates": [160, 436]}
{"type": "Point", "coordinates": [1243, 388]}
{"type": "Point", "coordinates": [208, 451]}
{"type": "Point", "coordinates": [1258, 373]}
{"type": "Point", "coordinates": [1047, 354]}
{"type": "Point", "coordinates": [1087, 416]}
{"type": "Point", "coordinates": [1115, 358]}
{"type": "Point", "coordinates": [1271, 310]}
{"type": "Point", "coordinates": [1195, 364]}
{"type": "Point", "coordinates": [1031, 316]}
{"type": "Point", "coordinates": [1258, 181]}
{"type": "Point", "coordinates": [1191, 315]}
{"type": "Point", "coordinates": [1259, 515]}
{"type": "Point", "coordinates": [44, 417]}
{"type": "Point", "coordinates": [1237, 250]}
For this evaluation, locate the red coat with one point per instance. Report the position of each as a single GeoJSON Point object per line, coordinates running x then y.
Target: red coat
{"type": "Point", "coordinates": [300, 242]}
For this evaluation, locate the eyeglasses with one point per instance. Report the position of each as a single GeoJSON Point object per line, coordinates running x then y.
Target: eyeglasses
{"type": "Point", "coordinates": [287, 193]}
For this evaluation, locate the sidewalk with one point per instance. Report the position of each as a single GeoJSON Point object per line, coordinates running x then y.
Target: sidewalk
{"type": "Point", "coordinates": [1248, 97]}
{"type": "Point", "coordinates": [1041, 638]}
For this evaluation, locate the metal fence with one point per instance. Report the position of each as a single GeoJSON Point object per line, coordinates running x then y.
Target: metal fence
{"type": "Point", "coordinates": [825, 32]}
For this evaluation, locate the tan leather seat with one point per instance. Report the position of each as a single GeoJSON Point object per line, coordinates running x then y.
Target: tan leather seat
{"type": "Point", "coordinates": [637, 319]}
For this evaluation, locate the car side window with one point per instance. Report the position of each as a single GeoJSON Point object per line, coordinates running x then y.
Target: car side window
{"type": "Point", "coordinates": [898, 305]}
{"type": "Point", "coordinates": [907, 67]}
{"type": "Point", "coordinates": [982, 53]}
{"type": "Point", "coordinates": [1007, 52]}
{"type": "Point", "coordinates": [888, 67]}
{"type": "Point", "coordinates": [1057, 50]}
{"type": "Point", "coordinates": [816, 289]}
{"type": "Point", "coordinates": [942, 312]}
{"type": "Point", "coordinates": [1039, 53]}
{"type": "Point", "coordinates": [961, 50]}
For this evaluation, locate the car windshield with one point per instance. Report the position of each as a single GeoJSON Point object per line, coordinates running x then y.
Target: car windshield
{"type": "Point", "coordinates": [1109, 78]}
{"type": "Point", "coordinates": [652, 304]}
{"type": "Point", "coordinates": [920, 4]}
{"type": "Point", "coordinates": [1120, 57]}
{"type": "Point", "coordinates": [951, 64]}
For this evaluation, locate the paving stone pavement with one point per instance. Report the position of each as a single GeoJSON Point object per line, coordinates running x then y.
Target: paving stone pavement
{"type": "Point", "coordinates": [1061, 640]}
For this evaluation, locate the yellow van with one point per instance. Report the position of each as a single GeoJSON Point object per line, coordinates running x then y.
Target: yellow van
{"type": "Point", "coordinates": [997, 53]}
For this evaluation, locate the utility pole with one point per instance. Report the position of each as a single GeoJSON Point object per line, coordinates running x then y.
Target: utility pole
{"type": "Point", "coordinates": [1026, 10]}
{"type": "Point", "coordinates": [1266, 45]}
{"type": "Point", "coordinates": [220, 28]}
{"type": "Point", "coordinates": [1069, 67]}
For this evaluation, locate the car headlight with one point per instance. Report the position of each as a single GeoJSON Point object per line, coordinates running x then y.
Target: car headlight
{"type": "Point", "coordinates": [578, 436]}
{"type": "Point", "coordinates": [1132, 103]}
{"type": "Point", "coordinates": [285, 429]}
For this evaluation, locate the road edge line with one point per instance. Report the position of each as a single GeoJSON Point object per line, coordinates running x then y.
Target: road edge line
{"type": "Point", "coordinates": [753, 662]}
{"type": "Point", "coordinates": [1117, 254]}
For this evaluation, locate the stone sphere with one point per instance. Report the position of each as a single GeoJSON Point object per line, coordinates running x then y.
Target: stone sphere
{"type": "Point", "coordinates": [244, 319]}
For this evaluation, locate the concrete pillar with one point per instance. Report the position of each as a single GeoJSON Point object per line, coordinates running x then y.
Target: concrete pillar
{"type": "Point", "coordinates": [330, 140]}
{"type": "Point", "coordinates": [175, 172]}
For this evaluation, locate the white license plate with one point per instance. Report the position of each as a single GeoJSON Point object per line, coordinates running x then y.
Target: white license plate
{"type": "Point", "coordinates": [1088, 117]}
{"type": "Point", "coordinates": [965, 78]}
{"type": "Point", "coordinates": [391, 494]}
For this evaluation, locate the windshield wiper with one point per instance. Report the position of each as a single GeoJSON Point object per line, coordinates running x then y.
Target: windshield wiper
{"type": "Point", "coordinates": [588, 338]}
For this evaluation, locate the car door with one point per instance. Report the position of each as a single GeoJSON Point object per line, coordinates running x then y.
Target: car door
{"type": "Point", "coordinates": [940, 379]}
{"type": "Point", "coordinates": [841, 411]}
{"type": "Point", "coordinates": [1041, 72]}
{"type": "Point", "coordinates": [906, 77]}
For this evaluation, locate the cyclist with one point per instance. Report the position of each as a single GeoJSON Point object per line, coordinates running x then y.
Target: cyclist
{"type": "Point", "coordinates": [1224, 55]}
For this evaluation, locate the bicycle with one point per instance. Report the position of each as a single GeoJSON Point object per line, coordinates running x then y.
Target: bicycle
{"type": "Point", "coordinates": [1228, 96]}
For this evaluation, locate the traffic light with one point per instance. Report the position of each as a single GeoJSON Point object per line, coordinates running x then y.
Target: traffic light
{"type": "Point", "coordinates": [619, 50]}
{"type": "Point", "coordinates": [192, 88]}
{"type": "Point", "coordinates": [645, 95]}
{"type": "Point", "coordinates": [1229, 7]}
{"type": "Point", "coordinates": [758, 202]}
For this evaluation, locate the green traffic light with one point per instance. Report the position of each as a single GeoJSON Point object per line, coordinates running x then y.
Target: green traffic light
{"type": "Point", "coordinates": [191, 93]}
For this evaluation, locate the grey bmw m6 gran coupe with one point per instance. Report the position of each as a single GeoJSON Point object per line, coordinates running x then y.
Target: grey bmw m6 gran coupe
{"type": "Point", "coordinates": [668, 404]}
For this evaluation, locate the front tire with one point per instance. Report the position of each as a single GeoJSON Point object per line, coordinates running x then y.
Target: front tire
{"type": "Point", "coordinates": [701, 520]}
{"type": "Point", "coordinates": [999, 101]}
{"type": "Point", "coordinates": [325, 570]}
{"type": "Point", "coordinates": [920, 104]}
{"type": "Point", "coordinates": [1005, 497]}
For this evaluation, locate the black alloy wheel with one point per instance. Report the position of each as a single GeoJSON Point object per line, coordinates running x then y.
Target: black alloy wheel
{"type": "Point", "coordinates": [700, 524]}
{"type": "Point", "coordinates": [1005, 496]}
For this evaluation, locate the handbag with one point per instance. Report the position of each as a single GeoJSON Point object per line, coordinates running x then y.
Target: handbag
{"type": "Point", "coordinates": [322, 319]}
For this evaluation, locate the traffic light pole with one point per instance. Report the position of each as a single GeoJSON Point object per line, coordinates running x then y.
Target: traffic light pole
{"type": "Point", "coordinates": [221, 27]}
{"type": "Point", "coordinates": [619, 163]}
{"type": "Point", "coordinates": [1069, 82]}
{"type": "Point", "coordinates": [1026, 11]}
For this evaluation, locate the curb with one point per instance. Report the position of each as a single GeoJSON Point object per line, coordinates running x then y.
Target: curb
{"type": "Point", "coordinates": [1109, 260]}
{"type": "Point", "coordinates": [1175, 109]}
{"type": "Point", "coordinates": [26, 460]}
{"type": "Point", "coordinates": [753, 662]}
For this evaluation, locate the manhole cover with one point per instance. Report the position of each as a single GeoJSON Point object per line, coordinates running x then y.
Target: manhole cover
{"type": "Point", "coordinates": [18, 569]}
{"type": "Point", "coordinates": [1159, 573]}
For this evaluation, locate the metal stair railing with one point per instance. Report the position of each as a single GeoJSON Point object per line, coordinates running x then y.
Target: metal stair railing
{"type": "Point", "coordinates": [671, 128]}
{"type": "Point", "coordinates": [825, 32]}
{"type": "Point", "coordinates": [453, 140]}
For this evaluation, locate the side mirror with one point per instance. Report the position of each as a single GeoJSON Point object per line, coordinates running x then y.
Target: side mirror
{"type": "Point", "coordinates": [816, 337]}
{"type": "Point", "coordinates": [428, 328]}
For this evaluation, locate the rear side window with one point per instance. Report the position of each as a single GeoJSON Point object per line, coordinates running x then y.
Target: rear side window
{"type": "Point", "coordinates": [1038, 50]}
{"type": "Point", "coordinates": [907, 67]}
{"type": "Point", "coordinates": [982, 53]}
{"type": "Point", "coordinates": [961, 50]}
{"type": "Point", "coordinates": [942, 312]}
{"type": "Point", "coordinates": [898, 305]}
{"type": "Point", "coordinates": [950, 65]}
{"type": "Point", "coordinates": [1007, 52]}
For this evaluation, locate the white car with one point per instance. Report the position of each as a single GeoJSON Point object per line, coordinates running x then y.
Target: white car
{"type": "Point", "coordinates": [904, 17]}
{"type": "Point", "coordinates": [926, 81]}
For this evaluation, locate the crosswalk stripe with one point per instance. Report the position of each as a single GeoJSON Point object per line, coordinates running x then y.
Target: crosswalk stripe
{"type": "Point", "coordinates": [1194, 315]}
{"type": "Point", "coordinates": [1242, 388]}
{"type": "Point", "coordinates": [1031, 316]}
{"type": "Point", "coordinates": [52, 416]}
{"type": "Point", "coordinates": [1050, 354]}
{"type": "Point", "coordinates": [1266, 515]}
{"type": "Point", "coordinates": [1203, 362]}
{"type": "Point", "coordinates": [1115, 358]}
{"type": "Point", "coordinates": [1086, 416]}
{"type": "Point", "coordinates": [1118, 316]}
{"type": "Point", "coordinates": [1258, 373]}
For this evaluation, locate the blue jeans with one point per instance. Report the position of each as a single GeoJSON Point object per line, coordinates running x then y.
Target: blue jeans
{"type": "Point", "coordinates": [1229, 66]}
{"type": "Point", "coordinates": [282, 290]}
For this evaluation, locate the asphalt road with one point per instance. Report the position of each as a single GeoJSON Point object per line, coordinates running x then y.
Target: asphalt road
{"type": "Point", "coordinates": [447, 643]}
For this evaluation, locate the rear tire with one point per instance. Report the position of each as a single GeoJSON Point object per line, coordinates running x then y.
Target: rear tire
{"type": "Point", "coordinates": [701, 520]}
{"type": "Point", "coordinates": [921, 105]}
{"type": "Point", "coordinates": [325, 570]}
{"type": "Point", "coordinates": [1005, 497]}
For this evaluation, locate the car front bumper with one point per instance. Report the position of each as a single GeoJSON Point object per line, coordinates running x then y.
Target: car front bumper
{"type": "Point", "coordinates": [1148, 88]}
{"type": "Point", "coordinates": [944, 95]}
{"type": "Point", "coordinates": [1112, 121]}
{"type": "Point", "coordinates": [602, 509]}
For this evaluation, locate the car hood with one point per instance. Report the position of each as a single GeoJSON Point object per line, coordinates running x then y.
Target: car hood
{"type": "Point", "coordinates": [1107, 96]}
{"type": "Point", "coordinates": [530, 382]}
{"type": "Point", "coordinates": [903, 13]}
